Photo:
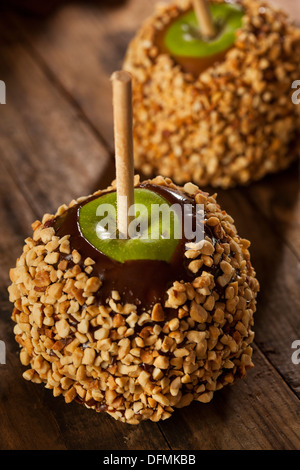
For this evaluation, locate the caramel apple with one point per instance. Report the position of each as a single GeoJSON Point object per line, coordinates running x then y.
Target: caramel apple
{"type": "Point", "coordinates": [215, 116]}
{"type": "Point", "coordinates": [135, 326]}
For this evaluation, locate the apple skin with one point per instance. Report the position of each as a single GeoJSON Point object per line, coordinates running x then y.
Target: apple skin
{"type": "Point", "coordinates": [183, 37]}
{"type": "Point", "coordinates": [97, 223]}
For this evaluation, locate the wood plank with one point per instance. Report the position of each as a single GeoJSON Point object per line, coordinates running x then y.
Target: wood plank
{"type": "Point", "coordinates": [83, 46]}
{"type": "Point", "coordinates": [278, 198]}
{"type": "Point", "coordinates": [49, 155]}
{"type": "Point", "coordinates": [44, 142]}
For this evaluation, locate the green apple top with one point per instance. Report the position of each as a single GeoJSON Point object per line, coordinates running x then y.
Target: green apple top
{"type": "Point", "coordinates": [150, 237]}
{"type": "Point", "coordinates": [183, 37]}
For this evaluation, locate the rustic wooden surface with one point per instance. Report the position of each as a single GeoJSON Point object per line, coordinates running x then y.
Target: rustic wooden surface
{"type": "Point", "coordinates": [56, 143]}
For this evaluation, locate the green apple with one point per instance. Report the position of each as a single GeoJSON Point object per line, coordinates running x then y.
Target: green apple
{"type": "Point", "coordinates": [154, 232]}
{"type": "Point", "coordinates": [183, 37]}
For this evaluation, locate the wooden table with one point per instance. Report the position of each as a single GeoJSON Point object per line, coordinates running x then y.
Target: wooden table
{"type": "Point", "coordinates": [56, 144]}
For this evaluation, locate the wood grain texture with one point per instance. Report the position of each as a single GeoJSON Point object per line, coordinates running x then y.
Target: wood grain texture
{"type": "Point", "coordinates": [56, 143]}
{"type": "Point", "coordinates": [82, 47]}
{"type": "Point", "coordinates": [278, 198]}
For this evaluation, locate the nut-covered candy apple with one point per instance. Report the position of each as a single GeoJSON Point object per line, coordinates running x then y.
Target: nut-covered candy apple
{"type": "Point", "coordinates": [213, 105]}
{"type": "Point", "coordinates": [130, 315]}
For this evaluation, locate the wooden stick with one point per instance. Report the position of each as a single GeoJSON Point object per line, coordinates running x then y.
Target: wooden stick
{"type": "Point", "coordinates": [122, 107]}
{"type": "Point", "coordinates": [204, 18]}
